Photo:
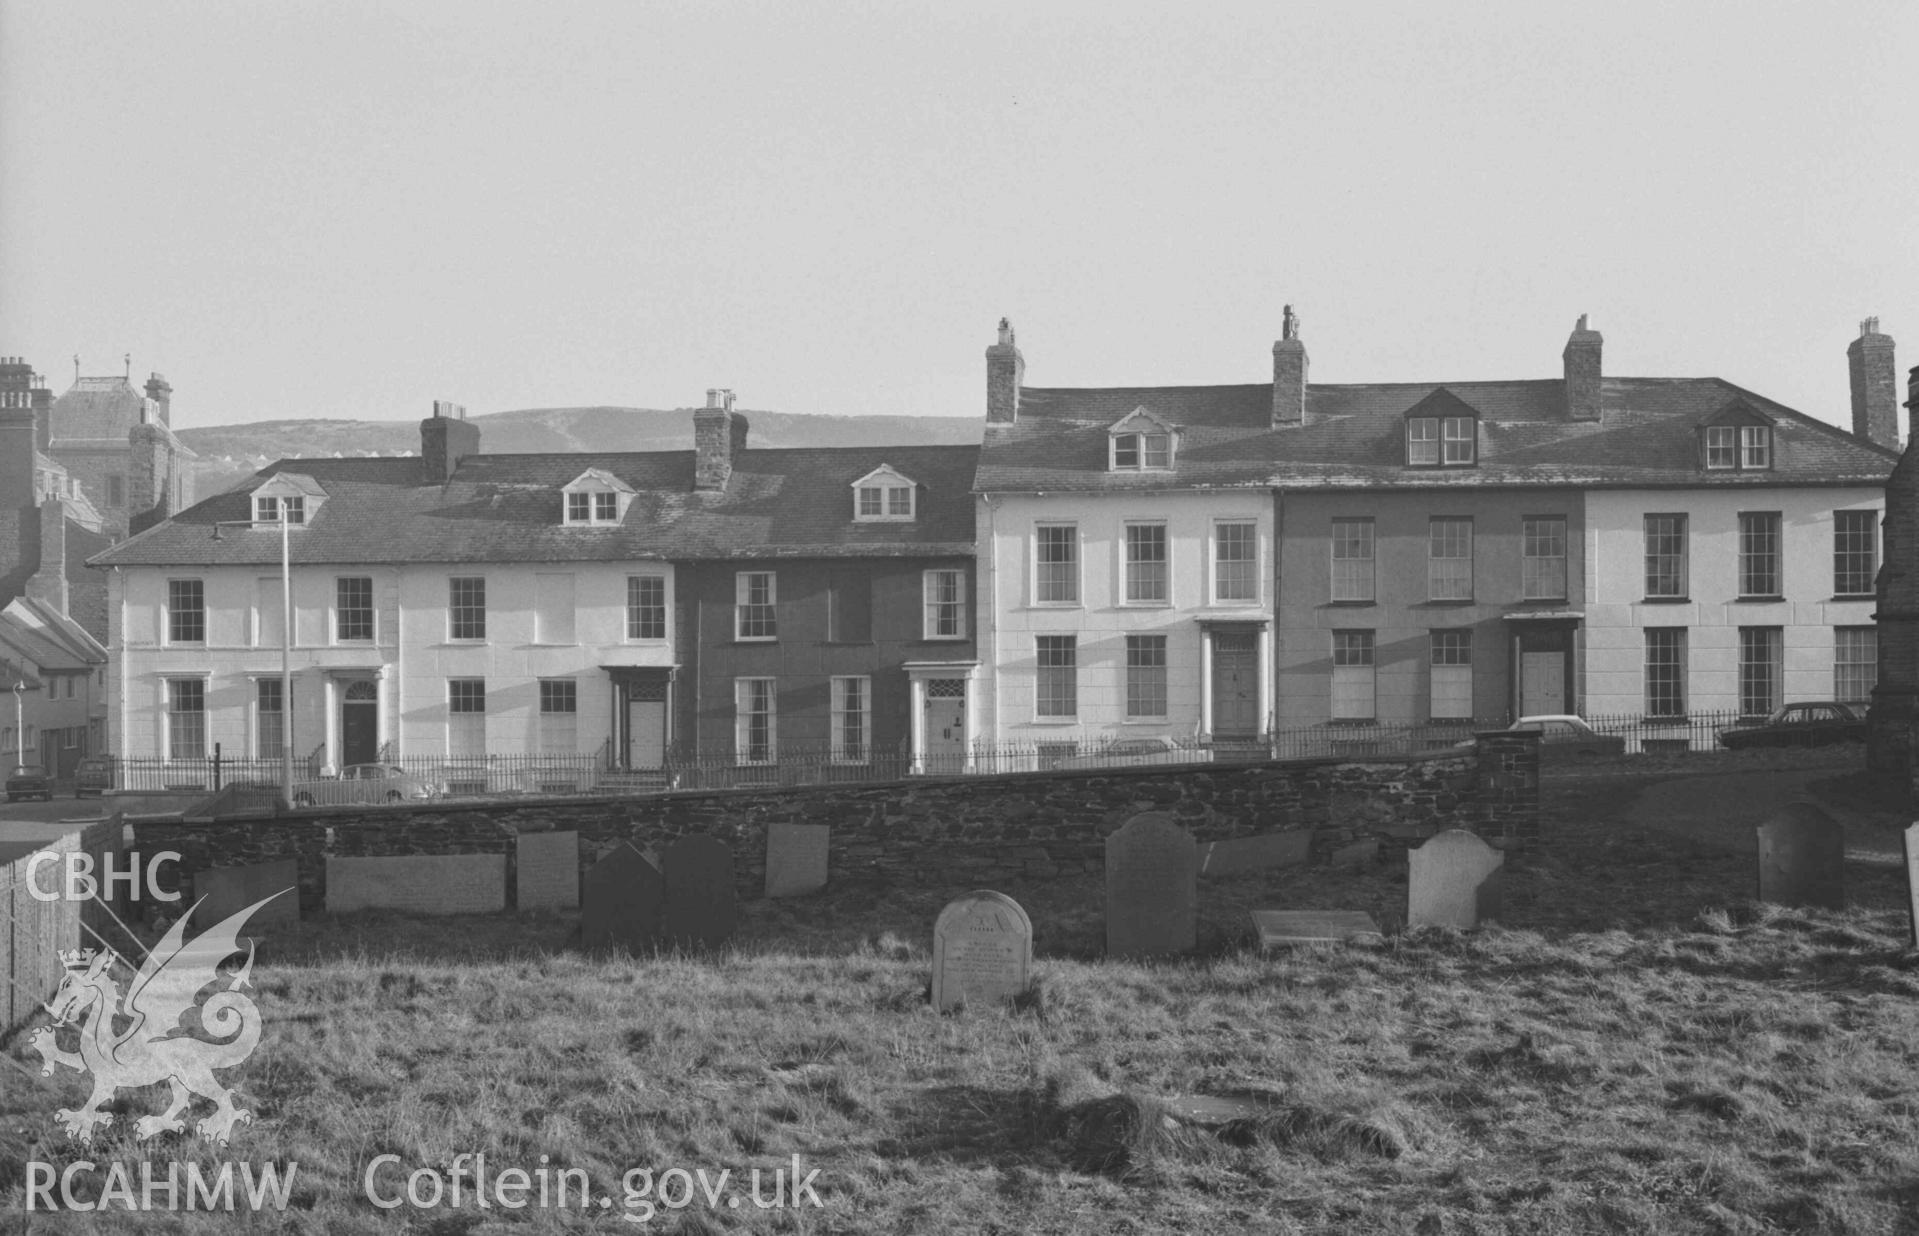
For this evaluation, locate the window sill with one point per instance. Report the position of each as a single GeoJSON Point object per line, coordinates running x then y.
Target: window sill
{"type": "Point", "coordinates": [755, 639]}
{"type": "Point", "coordinates": [1665, 600]}
{"type": "Point", "coordinates": [1143, 605]}
{"type": "Point", "coordinates": [1351, 604]}
{"type": "Point", "coordinates": [1062, 721]}
{"type": "Point", "coordinates": [1447, 602]}
{"type": "Point", "coordinates": [1056, 605]}
{"type": "Point", "coordinates": [1558, 600]}
{"type": "Point", "coordinates": [1351, 722]}
{"type": "Point", "coordinates": [944, 639]}
{"type": "Point", "coordinates": [1765, 600]}
{"type": "Point", "coordinates": [1855, 596]}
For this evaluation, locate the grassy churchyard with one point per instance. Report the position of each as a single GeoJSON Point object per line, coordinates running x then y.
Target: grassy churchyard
{"type": "Point", "coordinates": [1638, 1048]}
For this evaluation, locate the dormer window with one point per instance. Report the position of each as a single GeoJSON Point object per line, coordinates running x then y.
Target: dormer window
{"type": "Point", "coordinates": [596, 498]}
{"type": "Point", "coordinates": [266, 510]}
{"type": "Point", "coordinates": [1739, 439]}
{"type": "Point", "coordinates": [1442, 431]}
{"type": "Point", "coordinates": [884, 495]}
{"type": "Point", "coordinates": [1140, 442]}
{"type": "Point", "coordinates": [298, 496]}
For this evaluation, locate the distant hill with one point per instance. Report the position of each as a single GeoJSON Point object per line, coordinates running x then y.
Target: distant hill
{"type": "Point", "coordinates": [231, 453]}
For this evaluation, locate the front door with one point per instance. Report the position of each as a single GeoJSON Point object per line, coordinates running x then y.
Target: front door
{"type": "Point", "coordinates": [1235, 684]}
{"type": "Point", "coordinates": [645, 733]}
{"type": "Point", "coordinates": [360, 723]}
{"type": "Point", "coordinates": [944, 726]}
{"type": "Point", "coordinates": [1542, 683]}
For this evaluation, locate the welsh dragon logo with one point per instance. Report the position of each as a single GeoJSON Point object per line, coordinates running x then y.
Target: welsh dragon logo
{"type": "Point", "coordinates": [155, 1041]}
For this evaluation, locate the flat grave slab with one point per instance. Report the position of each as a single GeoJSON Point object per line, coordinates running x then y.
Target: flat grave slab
{"type": "Point", "coordinates": [228, 890]}
{"type": "Point", "coordinates": [1279, 928]}
{"type": "Point", "coordinates": [547, 871]}
{"type": "Point", "coordinates": [418, 883]}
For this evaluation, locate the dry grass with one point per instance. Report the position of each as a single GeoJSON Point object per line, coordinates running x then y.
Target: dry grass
{"type": "Point", "coordinates": [1639, 1049]}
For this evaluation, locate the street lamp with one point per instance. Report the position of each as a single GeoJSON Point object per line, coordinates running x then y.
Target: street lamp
{"type": "Point", "coordinates": [19, 727]}
{"type": "Point", "coordinates": [286, 646]}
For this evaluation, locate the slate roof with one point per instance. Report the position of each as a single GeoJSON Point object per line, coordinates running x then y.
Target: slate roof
{"type": "Point", "coordinates": [47, 637]}
{"type": "Point", "coordinates": [99, 411]}
{"type": "Point", "coordinates": [790, 503]}
{"type": "Point", "coordinates": [1352, 437]}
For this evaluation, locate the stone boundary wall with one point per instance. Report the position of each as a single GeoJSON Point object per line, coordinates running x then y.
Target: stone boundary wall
{"type": "Point", "coordinates": [33, 933]}
{"type": "Point", "coordinates": [948, 832]}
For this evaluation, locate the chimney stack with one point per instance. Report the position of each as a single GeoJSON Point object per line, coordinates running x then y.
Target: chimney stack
{"type": "Point", "coordinates": [161, 393]}
{"type": "Point", "coordinates": [719, 434]}
{"type": "Point", "coordinates": [49, 584]}
{"type": "Point", "coordinates": [1289, 373]}
{"type": "Point", "coordinates": [1875, 385]}
{"type": "Point", "coordinates": [1005, 371]}
{"type": "Point", "coordinates": [446, 438]}
{"type": "Point", "coordinates": [1581, 358]}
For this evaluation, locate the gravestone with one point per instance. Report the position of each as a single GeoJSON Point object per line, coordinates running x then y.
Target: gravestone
{"type": "Point", "coordinates": [1453, 881]}
{"type": "Point", "coordinates": [621, 904]}
{"type": "Point", "coordinates": [700, 908]}
{"type": "Point", "coordinates": [982, 951]}
{"type": "Point", "coordinates": [1912, 880]}
{"type": "Point", "coordinates": [228, 890]}
{"type": "Point", "coordinates": [1152, 895]}
{"type": "Point", "coordinates": [796, 858]}
{"type": "Point", "coordinates": [1258, 853]}
{"type": "Point", "coordinates": [547, 871]}
{"type": "Point", "coordinates": [418, 883]}
{"type": "Point", "coordinates": [1802, 859]}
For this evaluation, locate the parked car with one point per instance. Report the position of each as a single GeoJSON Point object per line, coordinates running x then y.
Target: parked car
{"type": "Point", "coordinates": [29, 781]}
{"type": "Point", "coordinates": [92, 776]}
{"type": "Point", "coordinates": [1813, 723]}
{"type": "Point", "coordinates": [366, 783]}
{"type": "Point", "coordinates": [1564, 736]}
{"type": "Point", "coordinates": [1125, 752]}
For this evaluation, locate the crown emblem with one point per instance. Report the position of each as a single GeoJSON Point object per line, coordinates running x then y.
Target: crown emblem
{"type": "Point", "coordinates": [78, 959]}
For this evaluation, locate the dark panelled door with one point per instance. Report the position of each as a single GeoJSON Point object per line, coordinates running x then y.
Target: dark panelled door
{"type": "Point", "coordinates": [360, 724]}
{"type": "Point", "coordinates": [1235, 683]}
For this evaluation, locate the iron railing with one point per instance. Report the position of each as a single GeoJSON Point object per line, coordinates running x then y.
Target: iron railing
{"type": "Point", "coordinates": [599, 772]}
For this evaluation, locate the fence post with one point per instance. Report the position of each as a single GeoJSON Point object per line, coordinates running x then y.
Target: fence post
{"type": "Point", "coordinates": [216, 768]}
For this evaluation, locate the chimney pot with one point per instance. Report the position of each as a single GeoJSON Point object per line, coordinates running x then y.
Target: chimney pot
{"type": "Point", "coordinates": [446, 438]}
{"type": "Point", "coordinates": [719, 434]}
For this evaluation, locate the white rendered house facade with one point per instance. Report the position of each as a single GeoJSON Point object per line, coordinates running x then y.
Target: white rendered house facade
{"type": "Point", "coordinates": [388, 660]}
{"type": "Point", "coordinates": [1729, 600]}
{"type": "Point", "coordinates": [1109, 616]}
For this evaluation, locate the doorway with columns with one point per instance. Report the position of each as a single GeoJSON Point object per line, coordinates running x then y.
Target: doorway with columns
{"type": "Point", "coordinates": [943, 716]}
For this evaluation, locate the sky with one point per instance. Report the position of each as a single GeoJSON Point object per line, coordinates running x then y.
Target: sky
{"type": "Point", "coordinates": [344, 208]}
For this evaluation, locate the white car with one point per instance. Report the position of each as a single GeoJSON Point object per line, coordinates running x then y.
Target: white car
{"type": "Point", "coordinates": [1131, 752]}
{"type": "Point", "coordinates": [366, 783]}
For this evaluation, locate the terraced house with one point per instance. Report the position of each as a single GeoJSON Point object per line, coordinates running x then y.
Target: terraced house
{"type": "Point", "coordinates": [1225, 561]}
{"type": "Point", "coordinates": [555, 611]}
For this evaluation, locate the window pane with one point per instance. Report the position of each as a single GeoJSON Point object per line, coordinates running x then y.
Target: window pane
{"type": "Point", "coordinates": [1721, 446]}
{"type": "Point", "coordinates": [1543, 561]}
{"type": "Point", "coordinates": [1235, 571]}
{"type": "Point", "coordinates": [1449, 566]}
{"type": "Point", "coordinates": [1855, 557]}
{"type": "Point", "coordinates": [645, 607]}
{"type": "Point", "coordinates": [869, 500]}
{"type": "Point", "coordinates": [1755, 446]}
{"type": "Point", "coordinates": [755, 616]}
{"type": "Point", "coordinates": [1058, 680]}
{"type": "Point", "coordinates": [1761, 669]}
{"type": "Point", "coordinates": [1352, 560]}
{"type": "Point", "coordinates": [945, 604]}
{"type": "Point", "coordinates": [1759, 554]}
{"type": "Point", "coordinates": [899, 500]}
{"type": "Point", "coordinates": [576, 507]}
{"type": "Point", "coordinates": [466, 607]}
{"type": "Point", "coordinates": [1665, 555]}
{"type": "Point", "coordinates": [1422, 440]}
{"type": "Point", "coordinates": [1459, 439]}
{"type": "Point", "coordinates": [851, 705]}
{"type": "Point", "coordinates": [1056, 552]}
{"type": "Point", "coordinates": [1126, 450]}
{"type": "Point", "coordinates": [186, 719]}
{"type": "Point", "coordinates": [754, 701]}
{"type": "Point", "coordinates": [186, 611]}
{"type": "Point", "coordinates": [1352, 687]}
{"type": "Point", "coordinates": [1855, 664]}
{"type": "Point", "coordinates": [1158, 451]}
{"type": "Point", "coordinates": [353, 608]}
{"type": "Point", "coordinates": [1452, 674]}
{"type": "Point", "coordinates": [1145, 562]}
{"type": "Point", "coordinates": [1666, 671]}
{"type": "Point", "coordinates": [1145, 676]}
